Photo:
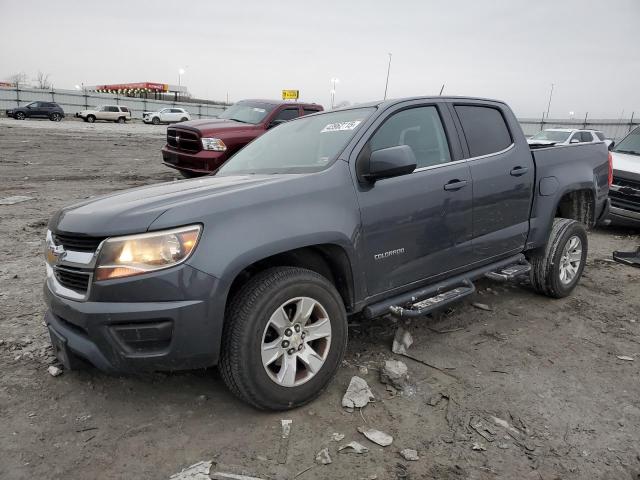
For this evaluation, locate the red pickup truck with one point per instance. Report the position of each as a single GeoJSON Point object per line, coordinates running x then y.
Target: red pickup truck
{"type": "Point", "coordinates": [199, 147]}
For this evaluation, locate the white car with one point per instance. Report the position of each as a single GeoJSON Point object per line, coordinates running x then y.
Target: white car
{"type": "Point", "coordinates": [166, 115]}
{"type": "Point", "coordinates": [110, 113]}
{"type": "Point", "coordinates": [625, 191]}
{"type": "Point", "coordinates": [568, 136]}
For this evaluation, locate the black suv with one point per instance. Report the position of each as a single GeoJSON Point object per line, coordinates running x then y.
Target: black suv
{"type": "Point", "coordinates": [49, 110]}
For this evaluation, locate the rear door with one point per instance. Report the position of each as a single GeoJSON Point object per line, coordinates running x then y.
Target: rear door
{"type": "Point", "coordinates": [503, 178]}
{"type": "Point", "coordinates": [415, 226]}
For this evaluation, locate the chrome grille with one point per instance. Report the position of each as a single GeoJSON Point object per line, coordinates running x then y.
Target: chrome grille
{"type": "Point", "coordinates": [625, 193]}
{"type": "Point", "coordinates": [79, 243]}
{"type": "Point", "coordinates": [183, 140]}
{"type": "Point", "coordinates": [73, 279]}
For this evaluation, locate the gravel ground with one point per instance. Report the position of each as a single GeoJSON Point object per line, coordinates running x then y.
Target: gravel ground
{"type": "Point", "coordinates": [548, 370]}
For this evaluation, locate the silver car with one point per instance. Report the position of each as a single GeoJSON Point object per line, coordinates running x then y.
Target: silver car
{"type": "Point", "coordinates": [568, 136]}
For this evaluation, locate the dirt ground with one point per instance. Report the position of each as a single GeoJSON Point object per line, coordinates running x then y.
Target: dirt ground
{"type": "Point", "coordinates": [548, 370]}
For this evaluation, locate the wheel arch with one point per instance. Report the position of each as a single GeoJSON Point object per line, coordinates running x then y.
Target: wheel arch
{"type": "Point", "coordinates": [329, 260]}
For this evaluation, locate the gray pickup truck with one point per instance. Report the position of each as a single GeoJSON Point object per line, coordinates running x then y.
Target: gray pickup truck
{"type": "Point", "coordinates": [392, 208]}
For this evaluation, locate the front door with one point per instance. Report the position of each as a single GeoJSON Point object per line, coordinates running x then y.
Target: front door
{"type": "Point", "coordinates": [503, 178]}
{"type": "Point", "coordinates": [418, 225]}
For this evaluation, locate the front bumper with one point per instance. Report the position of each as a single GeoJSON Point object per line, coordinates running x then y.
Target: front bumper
{"type": "Point", "coordinates": [118, 332]}
{"type": "Point", "coordinates": [199, 163]}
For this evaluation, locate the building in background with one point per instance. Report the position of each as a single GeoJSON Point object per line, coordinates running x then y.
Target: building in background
{"type": "Point", "coordinates": [158, 91]}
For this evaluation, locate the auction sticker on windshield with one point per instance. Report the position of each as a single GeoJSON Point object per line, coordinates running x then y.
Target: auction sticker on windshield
{"type": "Point", "coordinates": [341, 126]}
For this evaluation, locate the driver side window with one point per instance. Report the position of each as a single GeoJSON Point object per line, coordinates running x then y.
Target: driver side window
{"type": "Point", "coordinates": [419, 128]}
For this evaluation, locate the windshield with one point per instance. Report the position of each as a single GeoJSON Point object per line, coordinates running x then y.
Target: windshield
{"type": "Point", "coordinates": [551, 136]}
{"type": "Point", "coordinates": [630, 144]}
{"type": "Point", "coordinates": [247, 112]}
{"type": "Point", "coordinates": [306, 145]}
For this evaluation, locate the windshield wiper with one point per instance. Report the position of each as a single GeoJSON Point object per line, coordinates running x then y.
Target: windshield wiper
{"type": "Point", "coordinates": [238, 120]}
{"type": "Point", "coordinates": [632, 152]}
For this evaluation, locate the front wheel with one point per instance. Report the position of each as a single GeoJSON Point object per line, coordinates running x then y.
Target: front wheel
{"type": "Point", "coordinates": [155, 121]}
{"type": "Point", "coordinates": [556, 271]}
{"type": "Point", "coordinates": [91, 119]}
{"type": "Point", "coordinates": [284, 338]}
{"type": "Point", "coordinates": [19, 116]}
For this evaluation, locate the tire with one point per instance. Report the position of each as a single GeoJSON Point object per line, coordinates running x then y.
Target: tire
{"type": "Point", "coordinates": [91, 118]}
{"type": "Point", "coordinates": [155, 121]}
{"type": "Point", "coordinates": [121, 120]}
{"type": "Point", "coordinates": [188, 174]}
{"type": "Point", "coordinates": [184, 119]}
{"type": "Point", "coordinates": [55, 117]}
{"type": "Point", "coordinates": [550, 267]}
{"type": "Point", "coordinates": [249, 326]}
{"type": "Point", "coordinates": [19, 116]}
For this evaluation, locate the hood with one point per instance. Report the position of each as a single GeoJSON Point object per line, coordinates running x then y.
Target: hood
{"type": "Point", "coordinates": [134, 210]}
{"type": "Point", "coordinates": [625, 162]}
{"type": "Point", "coordinates": [216, 125]}
{"type": "Point", "coordinates": [541, 142]}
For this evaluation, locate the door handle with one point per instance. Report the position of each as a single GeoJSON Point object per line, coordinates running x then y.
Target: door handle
{"type": "Point", "coordinates": [455, 185]}
{"type": "Point", "coordinates": [518, 171]}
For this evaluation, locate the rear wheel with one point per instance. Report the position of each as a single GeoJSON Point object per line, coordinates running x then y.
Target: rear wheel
{"type": "Point", "coordinates": [19, 116]}
{"type": "Point", "coordinates": [285, 336]}
{"type": "Point", "coordinates": [55, 117]}
{"type": "Point", "coordinates": [556, 271]}
{"type": "Point", "coordinates": [121, 120]}
{"type": "Point", "coordinates": [91, 118]}
{"type": "Point", "coordinates": [155, 121]}
{"type": "Point", "coordinates": [184, 119]}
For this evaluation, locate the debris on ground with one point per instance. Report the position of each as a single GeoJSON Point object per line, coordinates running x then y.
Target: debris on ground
{"type": "Point", "coordinates": [353, 447]}
{"type": "Point", "coordinates": [625, 358]}
{"type": "Point", "coordinates": [376, 436]}
{"type": "Point", "coordinates": [337, 437]}
{"type": "Point", "coordinates": [284, 441]}
{"type": "Point", "coordinates": [478, 447]}
{"type": "Point", "coordinates": [394, 373]}
{"type": "Point", "coordinates": [197, 471]}
{"type": "Point", "coordinates": [410, 454]}
{"type": "Point", "coordinates": [402, 341]}
{"type": "Point", "coordinates": [482, 306]}
{"type": "Point", "coordinates": [435, 399]}
{"type": "Point", "coordinates": [54, 371]}
{"type": "Point", "coordinates": [358, 394]}
{"type": "Point", "coordinates": [363, 370]}
{"type": "Point", "coordinates": [230, 476]}
{"type": "Point", "coordinates": [323, 457]}
{"type": "Point", "coordinates": [15, 199]}
{"type": "Point", "coordinates": [484, 430]}
{"type": "Point", "coordinates": [628, 258]}
{"type": "Point", "coordinates": [507, 426]}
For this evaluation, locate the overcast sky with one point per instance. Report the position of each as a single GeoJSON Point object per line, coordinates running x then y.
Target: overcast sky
{"type": "Point", "coordinates": [507, 49]}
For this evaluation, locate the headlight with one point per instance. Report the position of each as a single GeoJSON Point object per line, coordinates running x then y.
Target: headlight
{"type": "Point", "coordinates": [147, 252]}
{"type": "Point", "coordinates": [214, 144]}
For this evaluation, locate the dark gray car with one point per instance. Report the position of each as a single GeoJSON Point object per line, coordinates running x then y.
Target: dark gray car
{"type": "Point", "coordinates": [391, 207]}
{"type": "Point", "coordinates": [49, 110]}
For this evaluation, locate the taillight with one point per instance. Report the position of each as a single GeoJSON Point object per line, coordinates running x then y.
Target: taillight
{"type": "Point", "coordinates": [610, 169]}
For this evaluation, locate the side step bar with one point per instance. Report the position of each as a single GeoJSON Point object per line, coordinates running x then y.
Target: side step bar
{"type": "Point", "coordinates": [510, 272]}
{"type": "Point", "coordinates": [428, 305]}
{"type": "Point", "coordinates": [438, 288]}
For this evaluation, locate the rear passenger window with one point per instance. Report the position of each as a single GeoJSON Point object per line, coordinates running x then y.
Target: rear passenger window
{"type": "Point", "coordinates": [112, 109]}
{"type": "Point", "coordinates": [287, 114]}
{"type": "Point", "coordinates": [586, 137]}
{"type": "Point", "coordinates": [309, 111]}
{"type": "Point", "coordinates": [484, 128]}
{"type": "Point", "coordinates": [600, 135]}
{"type": "Point", "coordinates": [419, 128]}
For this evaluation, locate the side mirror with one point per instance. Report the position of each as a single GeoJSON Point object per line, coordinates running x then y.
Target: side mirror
{"type": "Point", "coordinates": [611, 145]}
{"type": "Point", "coordinates": [574, 140]}
{"type": "Point", "coordinates": [275, 123]}
{"type": "Point", "coordinates": [390, 162]}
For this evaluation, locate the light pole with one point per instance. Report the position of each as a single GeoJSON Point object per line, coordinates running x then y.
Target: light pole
{"type": "Point", "coordinates": [180, 73]}
{"type": "Point", "coordinates": [334, 81]}
{"type": "Point", "coordinates": [549, 104]}
{"type": "Point", "coordinates": [386, 85]}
